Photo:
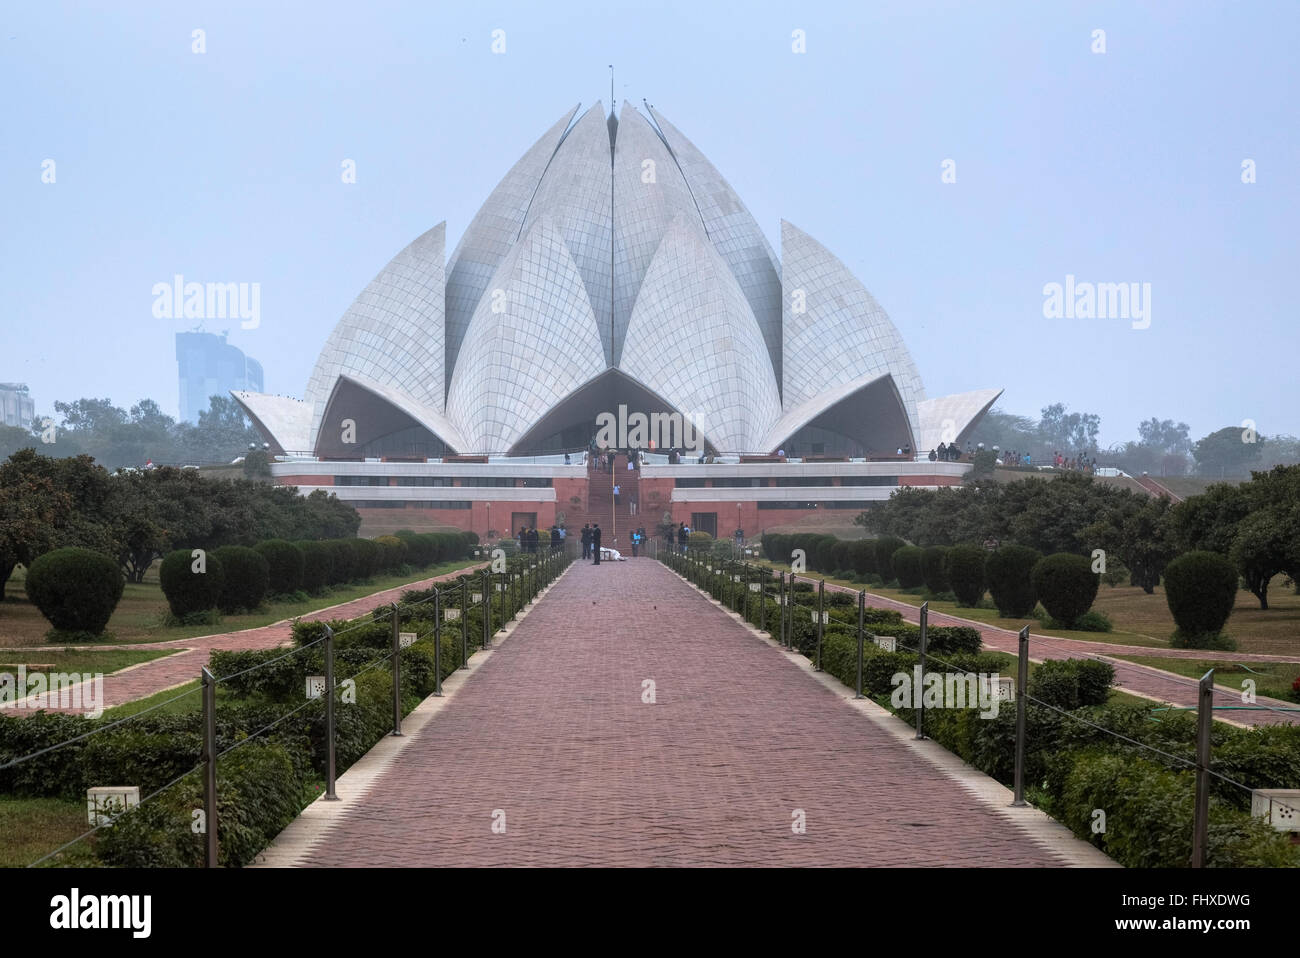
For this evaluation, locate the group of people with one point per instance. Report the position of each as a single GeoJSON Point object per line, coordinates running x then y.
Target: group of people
{"type": "Point", "coordinates": [948, 452]}
{"type": "Point", "coordinates": [1079, 463]}
{"type": "Point", "coordinates": [600, 459]}
{"type": "Point", "coordinates": [591, 541]}
{"type": "Point", "coordinates": [530, 540]}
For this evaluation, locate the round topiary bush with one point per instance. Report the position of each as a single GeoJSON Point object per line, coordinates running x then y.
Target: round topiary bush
{"type": "Point", "coordinates": [343, 562]}
{"type": "Point", "coordinates": [392, 553]}
{"type": "Point", "coordinates": [862, 556]}
{"type": "Point", "coordinates": [886, 546]}
{"type": "Point", "coordinates": [317, 565]}
{"type": "Point", "coordinates": [1201, 589]}
{"type": "Point", "coordinates": [284, 563]}
{"type": "Point", "coordinates": [935, 566]}
{"type": "Point", "coordinates": [909, 568]}
{"type": "Point", "coordinates": [368, 558]}
{"type": "Point", "coordinates": [1066, 585]}
{"type": "Point", "coordinates": [840, 556]}
{"type": "Point", "coordinates": [1009, 571]}
{"type": "Point", "coordinates": [75, 589]}
{"type": "Point", "coordinates": [966, 573]}
{"type": "Point", "coordinates": [823, 559]}
{"type": "Point", "coordinates": [192, 584]}
{"type": "Point", "coordinates": [247, 575]}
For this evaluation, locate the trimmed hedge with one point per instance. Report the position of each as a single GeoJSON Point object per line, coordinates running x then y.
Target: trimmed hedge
{"type": "Point", "coordinates": [284, 565]}
{"type": "Point", "coordinates": [1009, 571]}
{"type": "Point", "coordinates": [886, 546]}
{"type": "Point", "coordinates": [908, 565]}
{"type": "Point", "coordinates": [966, 573]}
{"type": "Point", "coordinates": [75, 589]}
{"type": "Point", "coordinates": [862, 557]}
{"type": "Point", "coordinates": [317, 565]}
{"type": "Point", "coordinates": [189, 592]}
{"type": "Point", "coordinates": [935, 567]}
{"type": "Point", "coordinates": [1072, 683]}
{"type": "Point", "coordinates": [1201, 589]}
{"type": "Point", "coordinates": [1066, 585]}
{"type": "Point", "coordinates": [247, 575]}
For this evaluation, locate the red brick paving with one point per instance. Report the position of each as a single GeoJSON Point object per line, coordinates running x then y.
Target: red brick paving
{"type": "Point", "coordinates": [169, 671]}
{"type": "Point", "coordinates": [552, 731]}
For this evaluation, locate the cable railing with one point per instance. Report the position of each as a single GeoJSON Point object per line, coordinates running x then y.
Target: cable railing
{"type": "Point", "coordinates": [734, 583]}
{"type": "Point", "coordinates": [517, 582]}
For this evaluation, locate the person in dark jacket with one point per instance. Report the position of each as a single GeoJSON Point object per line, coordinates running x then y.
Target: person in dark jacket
{"type": "Point", "coordinates": [595, 542]}
{"type": "Point", "coordinates": [586, 541]}
{"type": "Point", "coordinates": [555, 537]}
{"type": "Point", "coordinates": [681, 535]}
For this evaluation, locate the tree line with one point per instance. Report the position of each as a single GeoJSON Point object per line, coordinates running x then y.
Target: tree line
{"type": "Point", "coordinates": [1254, 524]}
{"type": "Point", "coordinates": [136, 517]}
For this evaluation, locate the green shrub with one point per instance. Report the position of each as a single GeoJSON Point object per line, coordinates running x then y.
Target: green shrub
{"type": "Point", "coordinates": [909, 568]}
{"type": "Point", "coordinates": [190, 593]}
{"type": "Point", "coordinates": [966, 573]}
{"type": "Point", "coordinates": [393, 553]}
{"type": "Point", "coordinates": [935, 567]}
{"type": "Point", "coordinates": [284, 566]}
{"type": "Point", "coordinates": [1009, 571]}
{"type": "Point", "coordinates": [75, 589]}
{"type": "Point", "coordinates": [343, 562]}
{"type": "Point", "coordinates": [1201, 589]}
{"type": "Point", "coordinates": [368, 557]}
{"type": "Point", "coordinates": [246, 578]}
{"type": "Point", "coordinates": [862, 556]}
{"type": "Point", "coordinates": [1093, 621]}
{"type": "Point", "coordinates": [1066, 585]}
{"type": "Point", "coordinates": [317, 565]}
{"type": "Point", "coordinates": [1071, 683]}
{"type": "Point", "coordinates": [840, 557]}
{"type": "Point", "coordinates": [1220, 641]}
{"type": "Point", "coordinates": [886, 546]}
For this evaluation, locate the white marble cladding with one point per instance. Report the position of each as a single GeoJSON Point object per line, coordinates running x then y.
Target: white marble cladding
{"type": "Point", "coordinates": [439, 493]}
{"type": "Point", "coordinates": [785, 494]}
{"type": "Point", "coordinates": [457, 470]}
{"type": "Point", "coordinates": [829, 470]}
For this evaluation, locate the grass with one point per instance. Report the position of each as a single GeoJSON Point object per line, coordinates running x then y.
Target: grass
{"type": "Point", "coordinates": [140, 617]}
{"type": "Point", "coordinates": [189, 703]}
{"type": "Point", "coordinates": [1271, 678]}
{"type": "Point", "coordinates": [34, 826]}
{"type": "Point", "coordinates": [74, 659]}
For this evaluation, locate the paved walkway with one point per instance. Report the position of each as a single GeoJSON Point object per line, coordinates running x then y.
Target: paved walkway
{"type": "Point", "coordinates": [1129, 676]}
{"type": "Point", "coordinates": [551, 735]}
{"type": "Point", "coordinates": [148, 678]}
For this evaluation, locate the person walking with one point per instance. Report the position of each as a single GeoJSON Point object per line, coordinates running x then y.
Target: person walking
{"type": "Point", "coordinates": [681, 536]}
{"type": "Point", "coordinates": [636, 542]}
{"type": "Point", "coordinates": [595, 542]}
{"type": "Point", "coordinates": [616, 493]}
{"type": "Point", "coordinates": [586, 541]}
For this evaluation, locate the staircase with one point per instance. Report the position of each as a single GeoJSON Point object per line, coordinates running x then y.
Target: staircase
{"type": "Point", "coordinates": [1157, 488]}
{"type": "Point", "coordinates": [599, 508]}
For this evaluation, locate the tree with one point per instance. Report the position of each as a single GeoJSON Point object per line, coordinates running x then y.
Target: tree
{"type": "Point", "coordinates": [1062, 431]}
{"type": "Point", "coordinates": [1137, 531]}
{"type": "Point", "coordinates": [1231, 451]}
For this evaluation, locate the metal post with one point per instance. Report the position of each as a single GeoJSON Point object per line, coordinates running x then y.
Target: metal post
{"type": "Point", "coordinates": [330, 795]}
{"type": "Point", "coordinates": [1204, 718]}
{"type": "Point", "coordinates": [746, 592]}
{"type": "Point", "coordinates": [925, 642]}
{"type": "Point", "coordinates": [782, 603]}
{"type": "Point", "coordinates": [821, 610]}
{"type": "Point", "coordinates": [762, 600]}
{"type": "Point", "coordinates": [397, 673]}
{"type": "Point", "coordinates": [464, 623]}
{"type": "Point", "coordinates": [485, 607]}
{"type": "Point", "coordinates": [1022, 679]}
{"type": "Point", "coordinates": [437, 641]}
{"type": "Point", "coordinates": [862, 598]}
{"type": "Point", "coordinates": [209, 768]}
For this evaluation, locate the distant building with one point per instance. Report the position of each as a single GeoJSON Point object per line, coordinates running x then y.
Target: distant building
{"type": "Point", "coordinates": [16, 405]}
{"type": "Point", "coordinates": [209, 366]}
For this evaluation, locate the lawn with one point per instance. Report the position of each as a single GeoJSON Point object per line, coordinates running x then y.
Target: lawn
{"type": "Point", "coordinates": [141, 615]}
{"type": "Point", "coordinates": [78, 659]}
{"type": "Point", "coordinates": [34, 826]}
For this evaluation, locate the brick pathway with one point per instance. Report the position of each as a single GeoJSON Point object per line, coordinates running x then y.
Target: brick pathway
{"type": "Point", "coordinates": [1129, 676]}
{"type": "Point", "coordinates": [552, 731]}
{"type": "Point", "coordinates": [148, 678]}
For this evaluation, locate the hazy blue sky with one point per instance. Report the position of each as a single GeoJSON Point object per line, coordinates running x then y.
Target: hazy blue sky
{"type": "Point", "coordinates": [1115, 167]}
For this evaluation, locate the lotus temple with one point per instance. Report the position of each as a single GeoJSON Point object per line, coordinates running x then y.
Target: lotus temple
{"type": "Point", "coordinates": [612, 275]}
